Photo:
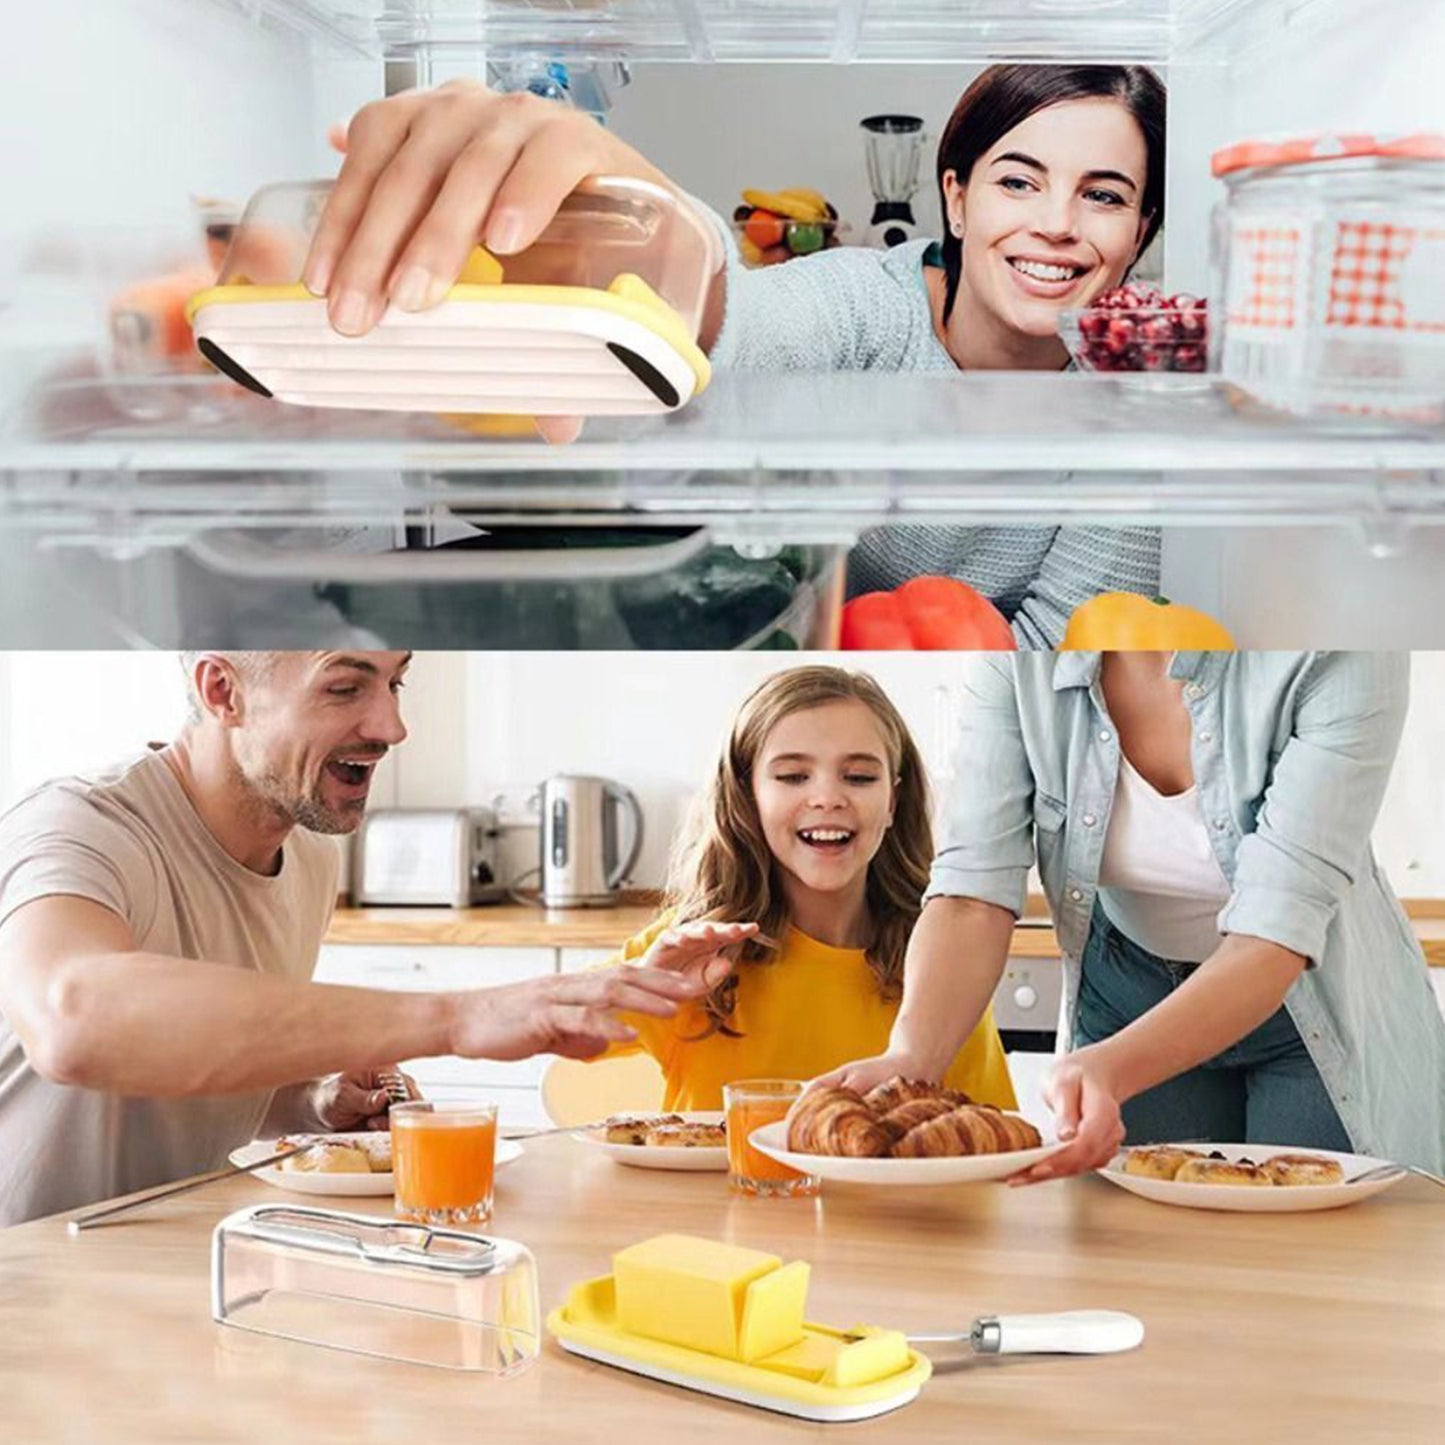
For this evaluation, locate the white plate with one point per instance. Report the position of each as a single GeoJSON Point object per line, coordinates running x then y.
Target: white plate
{"type": "Point", "coordinates": [349, 1185]}
{"type": "Point", "coordinates": [1291, 1199]}
{"type": "Point", "coordinates": [683, 1161]}
{"type": "Point", "coordinates": [952, 1169]}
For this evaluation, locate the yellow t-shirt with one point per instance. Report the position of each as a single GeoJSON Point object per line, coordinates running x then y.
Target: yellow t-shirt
{"type": "Point", "coordinates": [808, 1010]}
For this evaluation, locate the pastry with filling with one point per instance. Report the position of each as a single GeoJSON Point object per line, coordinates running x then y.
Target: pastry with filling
{"type": "Point", "coordinates": [327, 1156]}
{"type": "Point", "coordinates": [1223, 1171]}
{"type": "Point", "coordinates": [687, 1136]}
{"type": "Point", "coordinates": [1291, 1169]}
{"type": "Point", "coordinates": [632, 1128]}
{"type": "Point", "coordinates": [1158, 1161]}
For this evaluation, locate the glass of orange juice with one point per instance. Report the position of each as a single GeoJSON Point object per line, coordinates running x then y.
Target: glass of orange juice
{"type": "Point", "coordinates": [443, 1156]}
{"type": "Point", "coordinates": [750, 1104]}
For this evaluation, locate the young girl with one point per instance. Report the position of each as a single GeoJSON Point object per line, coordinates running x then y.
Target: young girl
{"type": "Point", "coordinates": [815, 829]}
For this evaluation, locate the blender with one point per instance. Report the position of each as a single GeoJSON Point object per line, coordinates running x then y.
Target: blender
{"type": "Point", "coordinates": [893, 147]}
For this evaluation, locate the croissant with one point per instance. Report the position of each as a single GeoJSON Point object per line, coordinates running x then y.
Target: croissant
{"type": "Point", "coordinates": [836, 1121]}
{"type": "Point", "coordinates": [916, 1111]}
{"type": "Point", "coordinates": [970, 1129]}
{"type": "Point", "coordinates": [885, 1097]}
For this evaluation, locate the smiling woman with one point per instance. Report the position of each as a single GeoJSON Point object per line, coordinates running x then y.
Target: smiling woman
{"type": "Point", "coordinates": [1052, 183]}
{"type": "Point", "coordinates": [814, 829]}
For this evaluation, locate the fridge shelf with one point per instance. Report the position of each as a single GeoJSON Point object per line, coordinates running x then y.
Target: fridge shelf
{"type": "Point", "coordinates": [74, 418]}
{"type": "Point", "coordinates": [813, 456]}
{"type": "Point", "coordinates": [798, 30]}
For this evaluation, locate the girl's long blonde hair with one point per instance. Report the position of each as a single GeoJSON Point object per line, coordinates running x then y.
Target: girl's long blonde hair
{"type": "Point", "coordinates": [723, 868]}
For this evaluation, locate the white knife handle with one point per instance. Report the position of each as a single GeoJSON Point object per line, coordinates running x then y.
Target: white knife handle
{"type": "Point", "coordinates": [1073, 1332]}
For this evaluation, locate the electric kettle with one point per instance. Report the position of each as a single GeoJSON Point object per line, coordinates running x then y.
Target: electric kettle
{"type": "Point", "coordinates": [591, 836]}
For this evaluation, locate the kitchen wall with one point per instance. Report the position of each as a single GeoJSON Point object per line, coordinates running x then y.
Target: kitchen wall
{"type": "Point", "coordinates": [488, 726]}
{"type": "Point", "coordinates": [717, 128]}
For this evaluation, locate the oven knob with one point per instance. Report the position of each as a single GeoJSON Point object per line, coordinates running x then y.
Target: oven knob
{"type": "Point", "coordinates": [1024, 996]}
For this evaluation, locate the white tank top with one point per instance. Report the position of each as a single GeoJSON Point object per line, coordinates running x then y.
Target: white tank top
{"type": "Point", "coordinates": [1159, 881]}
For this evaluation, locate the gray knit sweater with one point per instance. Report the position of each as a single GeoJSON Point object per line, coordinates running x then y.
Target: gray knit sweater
{"type": "Point", "coordinates": [852, 309]}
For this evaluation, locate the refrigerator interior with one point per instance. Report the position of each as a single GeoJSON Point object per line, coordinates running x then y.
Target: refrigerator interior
{"type": "Point", "coordinates": [156, 510]}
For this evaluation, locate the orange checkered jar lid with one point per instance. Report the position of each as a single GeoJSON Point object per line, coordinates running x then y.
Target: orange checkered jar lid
{"type": "Point", "coordinates": [1268, 153]}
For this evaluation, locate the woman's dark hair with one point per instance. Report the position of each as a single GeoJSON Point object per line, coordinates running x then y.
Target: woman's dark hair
{"type": "Point", "coordinates": [1006, 95]}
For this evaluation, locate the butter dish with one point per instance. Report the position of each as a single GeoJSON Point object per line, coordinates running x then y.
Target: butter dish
{"type": "Point", "coordinates": [728, 1322]}
{"type": "Point", "coordinates": [599, 316]}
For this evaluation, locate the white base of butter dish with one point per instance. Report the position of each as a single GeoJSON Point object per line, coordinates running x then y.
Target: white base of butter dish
{"type": "Point", "coordinates": [494, 355]}
{"type": "Point", "coordinates": [826, 1414]}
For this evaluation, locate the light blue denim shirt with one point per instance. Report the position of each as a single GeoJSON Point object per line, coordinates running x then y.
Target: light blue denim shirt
{"type": "Point", "coordinates": [1291, 755]}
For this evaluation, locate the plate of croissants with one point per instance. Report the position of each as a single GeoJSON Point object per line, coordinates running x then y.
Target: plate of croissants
{"type": "Point", "coordinates": [1248, 1178]}
{"type": "Point", "coordinates": [903, 1132]}
{"type": "Point", "coordinates": [687, 1142]}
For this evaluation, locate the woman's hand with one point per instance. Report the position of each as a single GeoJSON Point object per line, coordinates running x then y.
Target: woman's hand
{"type": "Point", "coordinates": [427, 173]}
{"type": "Point", "coordinates": [865, 1074]}
{"type": "Point", "coordinates": [695, 950]}
{"type": "Point", "coordinates": [1085, 1101]}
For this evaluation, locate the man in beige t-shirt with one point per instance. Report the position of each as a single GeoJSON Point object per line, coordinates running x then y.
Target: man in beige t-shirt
{"type": "Point", "coordinates": [159, 923]}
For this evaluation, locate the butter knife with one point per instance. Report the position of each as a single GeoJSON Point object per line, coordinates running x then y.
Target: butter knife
{"type": "Point", "coordinates": [1071, 1332]}
{"type": "Point", "coordinates": [165, 1191]}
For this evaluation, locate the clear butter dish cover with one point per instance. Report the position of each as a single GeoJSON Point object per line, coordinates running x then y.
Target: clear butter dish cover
{"type": "Point", "coordinates": [599, 316]}
{"type": "Point", "coordinates": [376, 1286]}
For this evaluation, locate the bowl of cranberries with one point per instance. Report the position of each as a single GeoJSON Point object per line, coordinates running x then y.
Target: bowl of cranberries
{"type": "Point", "coordinates": [1138, 328]}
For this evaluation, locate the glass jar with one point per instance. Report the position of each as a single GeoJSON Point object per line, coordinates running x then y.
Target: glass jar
{"type": "Point", "coordinates": [1329, 258]}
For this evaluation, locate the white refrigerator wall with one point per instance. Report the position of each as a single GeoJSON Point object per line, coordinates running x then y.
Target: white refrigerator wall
{"type": "Point", "coordinates": [1376, 69]}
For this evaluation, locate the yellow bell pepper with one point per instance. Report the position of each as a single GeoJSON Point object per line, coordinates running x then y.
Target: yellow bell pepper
{"type": "Point", "coordinates": [1129, 622]}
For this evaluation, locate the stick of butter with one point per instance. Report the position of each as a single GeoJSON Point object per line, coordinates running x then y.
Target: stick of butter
{"type": "Point", "coordinates": [738, 1303]}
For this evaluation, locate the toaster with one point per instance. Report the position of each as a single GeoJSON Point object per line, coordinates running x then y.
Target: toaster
{"type": "Point", "coordinates": [442, 856]}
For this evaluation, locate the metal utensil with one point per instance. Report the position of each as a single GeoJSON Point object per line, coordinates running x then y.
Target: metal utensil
{"type": "Point", "coordinates": [558, 1129]}
{"type": "Point", "coordinates": [1071, 1332]}
{"type": "Point", "coordinates": [1388, 1171]}
{"type": "Point", "coordinates": [395, 1086]}
{"type": "Point", "coordinates": [84, 1221]}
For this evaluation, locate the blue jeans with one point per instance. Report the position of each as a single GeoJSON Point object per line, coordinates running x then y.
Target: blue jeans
{"type": "Point", "coordinates": [1264, 1089]}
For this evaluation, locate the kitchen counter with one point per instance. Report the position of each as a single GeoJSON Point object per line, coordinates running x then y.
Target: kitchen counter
{"type": "Point", "coordinates": [518, 926]}
{"type": "Point", "coordinates": [1320, 1327]}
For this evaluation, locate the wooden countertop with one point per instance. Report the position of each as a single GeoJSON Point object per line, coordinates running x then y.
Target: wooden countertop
{"type": "Point", "coordinates": [512, 925]}
{"type": "Point", "coordinates": [1325, 1327]}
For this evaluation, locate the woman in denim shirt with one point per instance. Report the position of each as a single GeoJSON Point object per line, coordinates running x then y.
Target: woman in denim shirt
{"type": "Point", "coordinates": [1310, 1021]}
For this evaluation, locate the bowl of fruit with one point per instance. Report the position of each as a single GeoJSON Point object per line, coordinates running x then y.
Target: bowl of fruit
{"type": "Point", "coordinates": [775, 226]}
{"type": "Point", "coordinates": [1138, 328]}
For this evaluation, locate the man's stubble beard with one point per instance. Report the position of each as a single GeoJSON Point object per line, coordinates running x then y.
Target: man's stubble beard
{"type": "Point", "coordinates": [273, 797]}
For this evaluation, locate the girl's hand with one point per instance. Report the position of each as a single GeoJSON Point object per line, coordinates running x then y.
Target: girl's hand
{"type": "Point", "coordinates": [1086, 1104]}
{"type": "Point", "coordinates": [865, 1074]}
{"type": "Point", "coordinates": [428, 173]}
{"type": "Point", "coordinates": [695, 950]}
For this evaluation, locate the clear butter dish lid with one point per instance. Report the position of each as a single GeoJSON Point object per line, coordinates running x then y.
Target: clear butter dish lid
{"type": "Point", "coordinates": [376, 1286]}
{"type": "Point", "coordinates": [599, 315]}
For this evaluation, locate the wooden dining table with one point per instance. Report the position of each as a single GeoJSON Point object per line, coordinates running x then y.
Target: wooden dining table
{"type": "Point", "coordinates": [1313, 1327]}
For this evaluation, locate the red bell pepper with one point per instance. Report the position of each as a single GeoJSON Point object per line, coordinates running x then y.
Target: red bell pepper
{"type": "Point", "coordinates": [925, 614]}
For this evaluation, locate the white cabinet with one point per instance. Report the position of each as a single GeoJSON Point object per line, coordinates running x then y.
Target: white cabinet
{"type": "Point", "coordinates": [438, 968]}
{"type": "Point", "coordinates": [573, 960]}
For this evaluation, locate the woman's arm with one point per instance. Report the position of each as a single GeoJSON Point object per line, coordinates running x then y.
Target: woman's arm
{"type": "Point", "coordinates": [980, 874]}
{"type": "Point", "coordinates": [1081, 563]}
{"type": "Point", "coordinates": [1235, 990]}
{"type": "Point", "coordinates": [1310, 843]}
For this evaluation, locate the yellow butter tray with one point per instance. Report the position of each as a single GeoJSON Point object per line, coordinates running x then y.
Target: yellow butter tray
{"type": "Point", "coordinates": [887, 1373]}
{"type": "Point", "coordinates": [599, 316]}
